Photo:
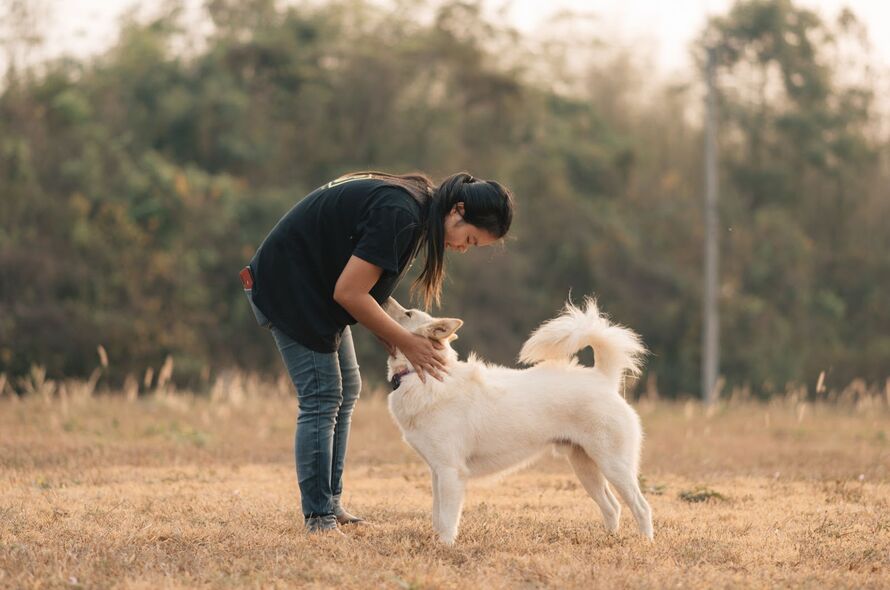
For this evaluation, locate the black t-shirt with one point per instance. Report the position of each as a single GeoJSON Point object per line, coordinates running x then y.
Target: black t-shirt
{"type": "Point", "coordinates": [298, 264]}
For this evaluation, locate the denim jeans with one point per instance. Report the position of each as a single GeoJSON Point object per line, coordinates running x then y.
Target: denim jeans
{"type": "Point", "coordinates": [328, 385]}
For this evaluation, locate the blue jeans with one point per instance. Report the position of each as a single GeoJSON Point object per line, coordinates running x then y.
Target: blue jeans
{"type": "Point", "coordinates": [328, 385]}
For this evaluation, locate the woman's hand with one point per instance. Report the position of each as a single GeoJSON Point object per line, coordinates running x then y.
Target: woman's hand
{"type": "Point", "coordinates": [423, 355]}
{"type": "Point", "coordinates": [352, 293]}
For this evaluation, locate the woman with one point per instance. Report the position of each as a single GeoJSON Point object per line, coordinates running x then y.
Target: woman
{"type": "Point", "coordinates": [330, 262]}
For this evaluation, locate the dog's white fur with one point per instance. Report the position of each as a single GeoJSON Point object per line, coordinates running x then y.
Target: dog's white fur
{"type": "Point", "coordinates": [485, 419]}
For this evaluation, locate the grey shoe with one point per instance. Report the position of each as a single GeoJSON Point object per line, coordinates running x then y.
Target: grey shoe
{"type": "Point", "coordinates": [344, 517]}
{"type": "Point", "coordinates": [323, 524]}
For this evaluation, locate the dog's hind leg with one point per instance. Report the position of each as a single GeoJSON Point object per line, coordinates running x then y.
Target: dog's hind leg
{"type": "Point", "coordinates": [611, 497]}
{"type": "Point", "coordinates": [595, 484]}
{"type": "Point", "coordinates": [623, 477]}
{"type": "Point", "coordinates": [450, 487]}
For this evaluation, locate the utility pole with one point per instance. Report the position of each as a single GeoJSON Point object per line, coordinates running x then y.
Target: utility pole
{"type": "Point", "coordinates": [711, 324]}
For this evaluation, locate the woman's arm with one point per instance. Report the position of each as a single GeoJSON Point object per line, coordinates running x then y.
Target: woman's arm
{"type": "Point", "coordinates": [352, 291]}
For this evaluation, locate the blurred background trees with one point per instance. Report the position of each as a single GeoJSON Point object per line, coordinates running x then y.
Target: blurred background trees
{"type": "Point", "coordinates": [134, 185]}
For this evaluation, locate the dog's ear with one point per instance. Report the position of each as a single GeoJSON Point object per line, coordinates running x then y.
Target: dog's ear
{"type": "Point", "coordinates": [441, 328]}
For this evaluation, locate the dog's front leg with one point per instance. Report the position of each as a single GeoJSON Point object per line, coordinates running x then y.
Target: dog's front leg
{"type": "Point", "coordinates": [436, 497]}
{"type": "Point", "coordinates": [450, 498]}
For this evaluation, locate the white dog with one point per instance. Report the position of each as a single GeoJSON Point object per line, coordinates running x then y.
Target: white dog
{"type": "Point", "coordinates": [484, 419]}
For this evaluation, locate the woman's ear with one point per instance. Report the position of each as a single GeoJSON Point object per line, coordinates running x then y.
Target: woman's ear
{"type": "Point", "coordinates": [441, 328]}
{"type": "Point", "coordinates": [458, 208]}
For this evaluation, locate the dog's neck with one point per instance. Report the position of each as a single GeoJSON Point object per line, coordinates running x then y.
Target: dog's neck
{"type": "Point", "coordinates": [397, 367]}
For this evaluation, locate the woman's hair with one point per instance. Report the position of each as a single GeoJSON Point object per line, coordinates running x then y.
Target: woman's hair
{"type": "Point", "coordinates": [417, 184]}
{"type": "Point", "coordinates": [487, 205]}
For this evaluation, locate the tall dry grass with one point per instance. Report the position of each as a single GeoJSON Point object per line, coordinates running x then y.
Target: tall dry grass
{"type": "Point", "coordinates": [150, 487]}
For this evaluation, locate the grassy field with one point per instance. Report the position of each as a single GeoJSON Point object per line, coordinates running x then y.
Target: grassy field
{"type": "Point", "coordinates": [171, 490]}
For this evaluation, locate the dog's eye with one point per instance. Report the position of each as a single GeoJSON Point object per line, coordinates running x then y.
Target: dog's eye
{"type": "Point", "coordinates": [408, 313]}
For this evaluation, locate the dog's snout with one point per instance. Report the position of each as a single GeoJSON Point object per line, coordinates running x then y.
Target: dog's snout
{"type": "Point", "coordinates": [392, 307]}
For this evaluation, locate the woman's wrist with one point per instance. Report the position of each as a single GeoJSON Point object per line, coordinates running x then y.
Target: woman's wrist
{"type": "Point", "coordinates": [399, 337]}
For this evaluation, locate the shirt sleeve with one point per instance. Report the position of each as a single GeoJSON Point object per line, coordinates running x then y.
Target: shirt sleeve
{"type": "Point", "coordinates": [386, 235]}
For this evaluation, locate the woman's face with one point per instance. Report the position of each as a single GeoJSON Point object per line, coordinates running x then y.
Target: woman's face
{"type": "Point", "coordinates": [460, 235]}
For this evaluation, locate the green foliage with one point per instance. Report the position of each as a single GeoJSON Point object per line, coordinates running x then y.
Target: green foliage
{"type": "Point", "coordinates": [135, 185]}
{"type": "Point", "coordinates": [806, 184]}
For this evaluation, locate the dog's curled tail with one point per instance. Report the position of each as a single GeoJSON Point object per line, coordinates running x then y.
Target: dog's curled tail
{"type": "Point", "coordinates": [616, 349]}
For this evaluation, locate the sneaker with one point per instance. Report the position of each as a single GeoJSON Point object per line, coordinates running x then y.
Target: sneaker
{"type": "Point", "coordinates": [342, 516]}
{"type": "Point", "coordinates": [323, 524]}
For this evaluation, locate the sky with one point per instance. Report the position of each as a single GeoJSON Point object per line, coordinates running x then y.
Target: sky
{"type": "Point", "coordinates": [670, 25]}
{"type": "Point", "coordinates": [662, 27]}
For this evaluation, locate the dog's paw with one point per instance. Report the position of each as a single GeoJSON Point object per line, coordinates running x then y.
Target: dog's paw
{"type": "Point", "coordinates": [447, 538]}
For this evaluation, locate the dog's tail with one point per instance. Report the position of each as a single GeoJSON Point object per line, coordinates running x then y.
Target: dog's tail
{"type": "Point", "coordinates": [616, 349]}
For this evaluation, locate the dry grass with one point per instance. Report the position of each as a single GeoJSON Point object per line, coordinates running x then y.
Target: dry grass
{"type": "Point", "coordinates": [171, 490]}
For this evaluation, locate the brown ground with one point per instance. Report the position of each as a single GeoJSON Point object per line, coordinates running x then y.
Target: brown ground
{"type": "Point", "coordinates": [175, 491]}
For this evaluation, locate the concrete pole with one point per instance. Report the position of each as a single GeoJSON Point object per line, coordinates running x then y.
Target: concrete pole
{"type": "Point", "coordinates": [711, 324]}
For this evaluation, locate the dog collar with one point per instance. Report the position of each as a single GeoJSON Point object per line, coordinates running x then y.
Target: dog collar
{"type": "Point", "coordinates": [397, 378]}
